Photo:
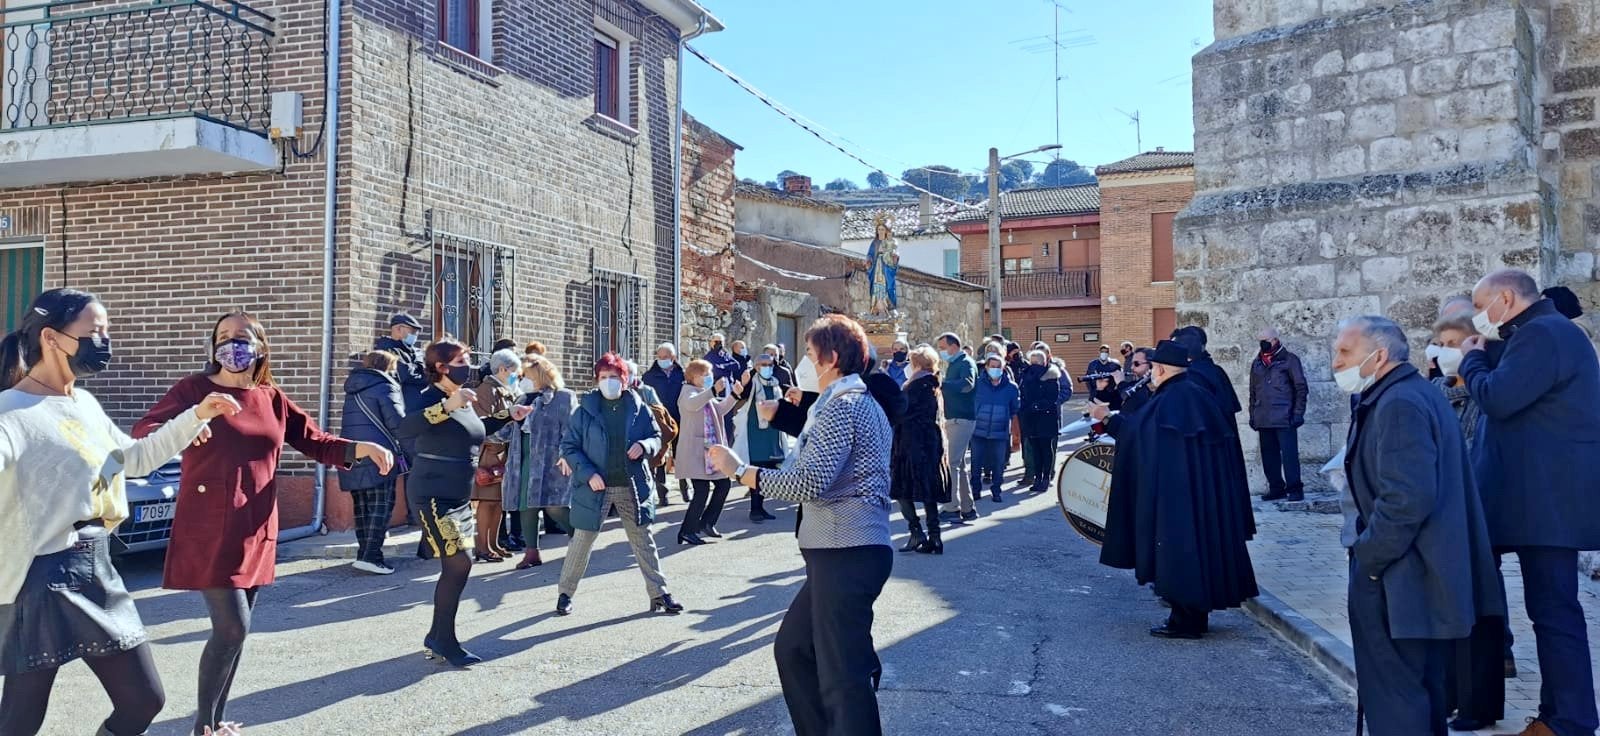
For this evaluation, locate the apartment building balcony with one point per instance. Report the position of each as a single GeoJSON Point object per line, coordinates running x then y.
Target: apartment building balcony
{"type": "Point", "coordinates": [1065, 285]}
{"type": "Point", "coordinates": [101, 90]}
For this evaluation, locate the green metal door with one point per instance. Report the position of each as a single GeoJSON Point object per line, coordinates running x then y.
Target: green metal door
{"type": "Point", "coordinates": [21, 279]}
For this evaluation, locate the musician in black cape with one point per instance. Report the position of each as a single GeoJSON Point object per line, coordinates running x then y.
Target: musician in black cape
{"type": "Point", "coordinates": [1204, 370]}
{"type": "Point", "coordinates": [1175, 517]}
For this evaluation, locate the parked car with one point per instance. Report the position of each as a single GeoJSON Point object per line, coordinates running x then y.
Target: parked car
{"type": "Point", "coordinates": [152, 501]}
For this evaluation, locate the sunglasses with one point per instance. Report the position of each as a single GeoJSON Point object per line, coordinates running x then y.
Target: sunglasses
{"type": "Point", "coordinates": [1138, 363]}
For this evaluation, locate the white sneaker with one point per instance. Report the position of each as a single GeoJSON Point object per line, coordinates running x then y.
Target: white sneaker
{"type": "Point", "coordinates": [376, 568]}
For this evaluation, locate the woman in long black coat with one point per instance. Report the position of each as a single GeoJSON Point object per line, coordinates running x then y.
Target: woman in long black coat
{"type": "Point", "coordinates": [917, 468]}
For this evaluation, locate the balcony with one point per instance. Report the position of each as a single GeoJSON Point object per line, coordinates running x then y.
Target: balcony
{"type": "Point", "coordinates": [98, 90]}
{"type": "Point", "coordinates": [1037, 285]}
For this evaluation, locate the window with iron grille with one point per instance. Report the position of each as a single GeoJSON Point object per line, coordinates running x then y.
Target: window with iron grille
{"type": "Point", "coordinates": [618, 318]}
{"type": "Point", "coordinates": [472, 290]}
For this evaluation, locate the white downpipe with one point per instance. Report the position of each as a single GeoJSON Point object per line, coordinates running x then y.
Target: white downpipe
{"type": "Point", "coordinates": [330, 190]}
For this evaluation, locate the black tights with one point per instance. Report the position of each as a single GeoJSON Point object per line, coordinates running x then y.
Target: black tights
{"type": "Point", "coordinates": [230, 610]}
{"type": "Point", "coordinates": [447, 598]}
{"type": "Point", "coordinates": [129, 678]}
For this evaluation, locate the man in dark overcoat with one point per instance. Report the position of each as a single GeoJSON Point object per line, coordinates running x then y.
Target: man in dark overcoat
{"type": "Point", "coordinates": [1422, 573]}
{"type": "Point", "coordinates": [1174, 517]}
{"type": "Point", "coordinates": [1534, 459]}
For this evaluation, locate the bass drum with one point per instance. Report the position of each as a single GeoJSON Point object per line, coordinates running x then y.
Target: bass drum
{"type": "Point", "coordinates": [1083, 488]}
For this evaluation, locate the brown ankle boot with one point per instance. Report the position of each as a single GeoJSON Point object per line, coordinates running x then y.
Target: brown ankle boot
{"type": "Point", "coordinates": [1535, 727]}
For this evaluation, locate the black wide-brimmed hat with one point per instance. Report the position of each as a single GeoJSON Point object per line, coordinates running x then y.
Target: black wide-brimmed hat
{"type": "Point", "coordinates": [1168, 352]}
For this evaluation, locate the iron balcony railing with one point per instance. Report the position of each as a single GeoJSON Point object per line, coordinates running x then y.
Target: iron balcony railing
{"type": "Point", "coordinates": [1064, 283]}
{"type": "Point", "coordinates": [83, 62]}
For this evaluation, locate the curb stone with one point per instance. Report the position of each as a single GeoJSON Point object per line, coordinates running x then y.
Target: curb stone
{"type": "Point", "coordinates": [1327, 650]}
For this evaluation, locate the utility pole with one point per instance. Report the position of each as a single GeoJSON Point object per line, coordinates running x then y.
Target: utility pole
{"type": "Point", "coordinates": [994, 238]}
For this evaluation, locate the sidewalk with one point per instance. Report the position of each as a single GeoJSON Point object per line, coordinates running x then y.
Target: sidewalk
{"type": "Point", "coordinates": [1300, 567]}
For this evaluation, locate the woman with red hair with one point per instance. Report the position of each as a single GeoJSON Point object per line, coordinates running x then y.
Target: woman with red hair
{"type": "Point", "coordinates": [607, 442]}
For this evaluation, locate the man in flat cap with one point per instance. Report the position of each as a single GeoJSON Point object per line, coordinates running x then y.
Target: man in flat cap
{"type": "Point", "coordinates": [402, 341]}
{"type": "Point", "coordinates": [1175, 516]}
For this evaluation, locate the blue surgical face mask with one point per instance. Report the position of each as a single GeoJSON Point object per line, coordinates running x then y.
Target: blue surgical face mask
{"type": "Point", "coordinates": [766, 372]}
{"type": "Point", "coordinates": [666, 365]}
{"type": "Point", "coordinates": [952, 355]}
{"type": "Point", "coordinates": [706, 381]}
{"type": "Point", "coordinates": [410, 338]}
{"type": "Point", "coordinates": [996, 372]}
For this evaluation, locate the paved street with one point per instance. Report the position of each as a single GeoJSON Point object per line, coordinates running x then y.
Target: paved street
{"type": "Point", "coordinates": [1015, 630]}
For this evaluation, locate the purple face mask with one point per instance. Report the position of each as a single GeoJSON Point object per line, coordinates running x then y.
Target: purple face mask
{"type": "Point", "coordinates": [237, 356]}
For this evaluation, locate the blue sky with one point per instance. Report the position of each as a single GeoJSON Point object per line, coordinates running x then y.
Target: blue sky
{"type": "Point", "coordinates": [918, 82]}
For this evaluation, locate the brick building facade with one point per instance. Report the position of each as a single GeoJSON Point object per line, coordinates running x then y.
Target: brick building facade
{"type": "Point", "coordinates": [1139, 197]}
{"type": "Point", "coordinates": [519, 187]}
{"type": "Point", "coordinates": [708, 295]}
{"type": "Point", "coordinates": [1050, 250]}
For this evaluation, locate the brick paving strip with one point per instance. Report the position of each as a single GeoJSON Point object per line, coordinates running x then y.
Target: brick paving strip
{"type": "Point", "coordinates": [1301, 569]}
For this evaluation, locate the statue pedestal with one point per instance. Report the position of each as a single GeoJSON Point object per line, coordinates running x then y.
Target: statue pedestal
{"type": "Point", "coordinates": [882, 334]}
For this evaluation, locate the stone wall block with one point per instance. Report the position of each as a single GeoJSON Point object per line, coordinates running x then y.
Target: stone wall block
{"type": "Point", "coordinates": [1581, 144]}
{"type": "Point", "coordinates": [1385, 273]}
{"type": "Point", "coordinates": [1383, 84]}
{"type": "Point", "coordinates": [1371, 60]}
{"type": "Point", "coordinates": [1426, 42]}
{"type": "Point", "coordinates": [1331, 62]}
{"type": "Point", "coordinates": [1389, 154]}
{"type": "Point", "coordinates": [1289, 242]}
{"type": "Point", "coordinates": [1577, 79]}
{"type": "Point", "coordinates": [1285, 283]}
{"type": "Point", "coordinates": [1436, 75]}
{"type": "Point", "coordinates": [1471, 107]}
{"type": "Point", "coordinates": [1372, 122]}
{"type": "Point", "coordinates": [1494, 67]}
{"type": "Point", "coordinates": [1568, 112]}
{"type": "Point", "coordinates": [1230, 248]}
{"type": "Point", "coordinates": [1336, 163]}
{"type": "Point", "coordinates": [1484, 31]}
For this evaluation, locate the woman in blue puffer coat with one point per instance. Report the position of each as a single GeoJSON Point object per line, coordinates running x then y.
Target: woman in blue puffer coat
{"type": "Point", "coordinates": [998, 402]}
{"type": "Point", "coordinates": [373, 408]}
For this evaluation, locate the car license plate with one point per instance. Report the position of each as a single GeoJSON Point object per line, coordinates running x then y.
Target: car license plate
{"type": "Point", "coordinates": [155, 512]}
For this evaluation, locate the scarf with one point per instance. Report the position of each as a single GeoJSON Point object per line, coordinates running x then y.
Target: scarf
{"type": "Point", "coordinates": [713, 430]}
{"type": "Point", "coordinates": [769, 389]}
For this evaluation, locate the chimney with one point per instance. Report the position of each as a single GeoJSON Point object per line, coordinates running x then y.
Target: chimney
{"type": "Point", "coordinates": [925, 210]}
{"type": "Point", "coordinates": [1161, 149]}
{"type": "Point", "coordinates": [797, 185]}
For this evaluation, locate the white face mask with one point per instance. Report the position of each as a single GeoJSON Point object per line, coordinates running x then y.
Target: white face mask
{"type": "Point", "coordinates": [611, 388]}
{"type": "Point", "coordinates": [527, 386]}
{"type": "Point", "coordinates": [1485, 326]}
{"type": "Point", "coordinates": [1448, 359]}
{"type": "Point", "coordinates": [1350, 379]}
{"type": "Point", "coordinates": [1105, 356]}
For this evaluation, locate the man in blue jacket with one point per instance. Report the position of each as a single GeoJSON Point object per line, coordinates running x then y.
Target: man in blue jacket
{"type": "Point", "coordinates": [665, 377]}
{"type": "Point", "coordinates": [958, 390]}
{"type": "Point", "coordinates": [1534, 460]}
{"type": "Point", "coordinates": [998, 402]}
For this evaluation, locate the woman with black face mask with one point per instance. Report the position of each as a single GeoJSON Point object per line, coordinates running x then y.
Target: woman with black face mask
{"type": "Point", "coordinates": [445, 438]}
{"type": "Point", "coordinates": [225, 531]}
{"type": "Point", "coordinates": [62, 469]}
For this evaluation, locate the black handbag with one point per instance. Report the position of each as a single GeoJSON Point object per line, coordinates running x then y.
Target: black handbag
{"type": "Point", "coordinates": [402, 464]}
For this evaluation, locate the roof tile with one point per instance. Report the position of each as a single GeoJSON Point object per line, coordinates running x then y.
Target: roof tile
{"type": "Point", "coordinates": [1082, 199]}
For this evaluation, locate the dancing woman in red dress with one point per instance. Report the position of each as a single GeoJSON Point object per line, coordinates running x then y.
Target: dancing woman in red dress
{"type": "Point", "coordinates": [225, 531]}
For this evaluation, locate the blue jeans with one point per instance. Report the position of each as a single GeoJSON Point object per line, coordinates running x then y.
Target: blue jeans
{"type": "Point", "coordinates": [989, 455]}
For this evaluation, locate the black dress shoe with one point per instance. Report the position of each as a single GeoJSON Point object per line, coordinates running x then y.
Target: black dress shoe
{"type": "Point", "coordinates": [712, 532]}
{"type": "Point", "coordinates": [690, 539]}
{"type": "Point", "coordinates": [1296, 496]}
{"type": "Point", "coordinates": [768, 517]}
{"type": "Point", "coordinates": [756, 518]}
{"type": "Point", "coordinates": [512, 544]}
{"type": "Point", "coordinates": [1166, 632]}
{"type": "Point", "coordinates": [1277, 495]}
{"type": "Point", "coordinates": [1463, 723]}
{"type": "Point", "coordinates": [969, 515]}
{"type": "Point", "coordinates": [563, 605]}
{"type": "Point", "coordinates": [665, 604]}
